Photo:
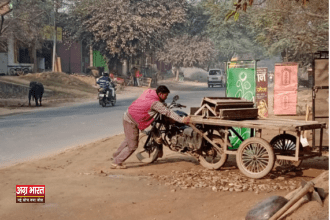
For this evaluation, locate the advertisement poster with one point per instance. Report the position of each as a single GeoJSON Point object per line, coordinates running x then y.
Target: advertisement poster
{"type": "Point", "coordinates": [241, 83]}
{"type": "Point", "coordinates": [285, 102]}
{"type": "Point", "coordinates": [262, 92]}
{"type": "Point", "coordinates": [48, 33]}
{"type": "Point", "coordinates": [285, 89]}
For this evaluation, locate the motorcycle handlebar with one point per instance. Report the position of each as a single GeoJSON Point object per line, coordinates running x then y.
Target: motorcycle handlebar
{"type": "Point", "coordinates": [177, 105]}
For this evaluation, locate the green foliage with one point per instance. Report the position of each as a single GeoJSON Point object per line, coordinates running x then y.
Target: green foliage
{"type": "Point", "coordinates": [229, 36]}
{"type": "Point", "coordinates": [297, 29]}
{"type": "Point", "coordinates": [196, 20]}
{"type": "Point", "coordinates": [242, 6]}
{"type": "Point", "coordinates": [189, 45]}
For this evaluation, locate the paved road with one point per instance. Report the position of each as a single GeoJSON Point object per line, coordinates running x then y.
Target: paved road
{"type": "Point", "coordinates": [34, 134]}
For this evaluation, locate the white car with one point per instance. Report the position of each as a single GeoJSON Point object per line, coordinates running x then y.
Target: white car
{"type": "Point", "coordinates": [216, 77]}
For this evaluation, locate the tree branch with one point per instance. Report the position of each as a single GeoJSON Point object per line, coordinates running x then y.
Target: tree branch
{"type": "Point", "coordinates": [2, 20]}
{"type": "Point", "coordinates": [316, 15]}
{"type": "Point", "coordinates": [288, 11]}
{"type": "Point", "coordinates": [31, 18]}
{"type": "Point", "coordinates": [4, 3]}
{"type": "Point", "coordinates": [4, 29]}
{"type": "Point", "coordinates": [260, 3]}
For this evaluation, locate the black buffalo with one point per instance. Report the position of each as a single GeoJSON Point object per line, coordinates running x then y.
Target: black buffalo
{"type": "Point", "coordinates": [36, 91]}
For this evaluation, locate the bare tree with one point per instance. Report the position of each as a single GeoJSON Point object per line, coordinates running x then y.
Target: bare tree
{"type": "Point", "coordinates": [25, 22]}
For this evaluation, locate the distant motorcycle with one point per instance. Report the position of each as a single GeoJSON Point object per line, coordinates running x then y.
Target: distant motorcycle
{"type": "Point", "coordinates": [108, 96]}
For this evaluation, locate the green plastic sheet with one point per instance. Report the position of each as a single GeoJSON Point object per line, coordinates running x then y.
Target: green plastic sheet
{"type": "Point", "coordinates": [241, 83]}
{"type": "Point", "coordinates": [99, 61]}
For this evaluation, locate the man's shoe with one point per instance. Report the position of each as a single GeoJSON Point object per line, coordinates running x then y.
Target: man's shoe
{"type": "Point", "coordinates": [117, 166]}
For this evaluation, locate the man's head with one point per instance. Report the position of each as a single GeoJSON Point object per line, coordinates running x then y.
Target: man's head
{"type": "Point", "coordinates": [162, 92]}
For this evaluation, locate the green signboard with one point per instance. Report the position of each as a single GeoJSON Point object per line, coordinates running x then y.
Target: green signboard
{"type": "Point", "coordinates": [241, 83]}
{"type": "Point", "coordinates": [99, 61]}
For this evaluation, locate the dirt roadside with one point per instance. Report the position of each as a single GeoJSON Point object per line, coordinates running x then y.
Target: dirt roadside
{"type": "Point", "coordinates": [80, 185]}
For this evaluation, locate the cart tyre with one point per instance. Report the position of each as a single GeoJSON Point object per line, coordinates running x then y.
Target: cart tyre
{"type": "Point", "coordinates": [289, 144]}
{"type": "Point", "coordinates": [216, 165]}
{"type": "Point", "coordinates": [213, 166]}
{"type": "Point", "coordinates": [263, 157]}
{"type": "Point", "coordinates": [142, 155]}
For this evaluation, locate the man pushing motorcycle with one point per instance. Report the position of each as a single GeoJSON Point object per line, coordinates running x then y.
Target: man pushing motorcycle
{"type": "Point", "coordinates": [139, 116]}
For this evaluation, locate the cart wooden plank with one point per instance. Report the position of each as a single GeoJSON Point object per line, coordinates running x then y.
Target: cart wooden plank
{"type": "Point", "coordinates": [238, 113]}
{"type": "Point", "coordinates": [290, 125]}
{"type": "Point", "coordinates": [224, 100]}
{"type": "Point", "coordinates": [235, 105]}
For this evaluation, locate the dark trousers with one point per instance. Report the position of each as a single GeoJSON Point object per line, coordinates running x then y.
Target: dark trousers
{"type": "Point", "coordinates": [135, 81]}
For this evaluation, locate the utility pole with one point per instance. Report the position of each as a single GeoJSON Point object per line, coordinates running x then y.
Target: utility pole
{"type": "Point", "coordinates": [55, 37]}
{"type": "Point", "coordinates": [91, 55]}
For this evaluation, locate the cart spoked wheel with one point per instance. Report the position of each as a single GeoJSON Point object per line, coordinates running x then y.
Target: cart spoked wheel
{"type": "Point", "coordinates": [285, 144]}
{"type": "Point", "coordinates": [147, 151]}
{"type": "Point", "coordinates": [255, 157]}
{"type": "Point", "coordinates": [213, 158]}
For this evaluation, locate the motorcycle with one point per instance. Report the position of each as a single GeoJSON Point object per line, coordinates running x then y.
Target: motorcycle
{"type": "Point", "coordinates": [179, 137]}
{"type": "Point", "coordinates": [107, 96]}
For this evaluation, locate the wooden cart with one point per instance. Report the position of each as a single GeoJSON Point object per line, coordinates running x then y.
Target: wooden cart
{"type": "Point", "coordinates": [255, 156]}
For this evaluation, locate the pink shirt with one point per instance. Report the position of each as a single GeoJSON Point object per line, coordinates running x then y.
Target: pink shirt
{"type": "Point", "coordinates": [142, 111]}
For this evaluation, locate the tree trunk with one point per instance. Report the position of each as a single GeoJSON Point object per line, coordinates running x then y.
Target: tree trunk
{"type": "Point", "coordinates": [91, 55]}
{"type": "Point", "coordinates": [177, 74]}
{"type": "Point", "coordinates": [124, 67]}
{"type": "Point", "coordinates": [54, 42]}
{"type": "Point", "coordinates": [175, 71]}
{"type": "Point", "coordinates": [35, 60]}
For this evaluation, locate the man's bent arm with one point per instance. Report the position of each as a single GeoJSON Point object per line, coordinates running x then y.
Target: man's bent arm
{"type": "Point", "coordinates": [162, 109]}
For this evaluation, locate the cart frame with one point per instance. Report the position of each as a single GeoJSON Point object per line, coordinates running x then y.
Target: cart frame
{"type": "Point", "coordinates": [282, 125]}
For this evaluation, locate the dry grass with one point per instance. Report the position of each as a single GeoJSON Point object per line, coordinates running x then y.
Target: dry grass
{"type": "Point", "coordinates": [63, 81]}
{"type": "Point", "coordinates": [59, 88]}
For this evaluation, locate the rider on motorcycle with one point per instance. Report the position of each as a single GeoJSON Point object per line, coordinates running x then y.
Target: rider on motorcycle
{"type": "Point", "coordinates": [104, 83]}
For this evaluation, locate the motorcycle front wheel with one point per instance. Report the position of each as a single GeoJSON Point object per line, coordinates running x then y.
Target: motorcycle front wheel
{"type": "Point", "coordinates": [104, 103]}
{"type": "Point", "coordinates": [147, 151]}
{"type": "Point", "coordinates": [212, 158]}
{"type": "Point", "coordinates": [113, 101]}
